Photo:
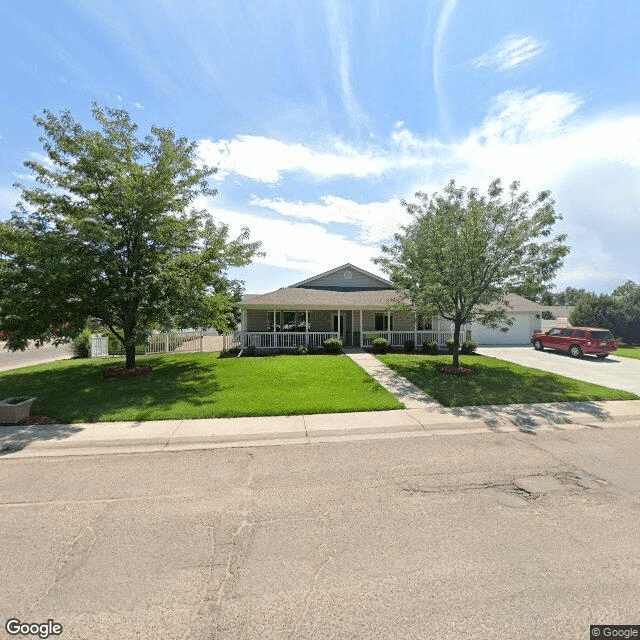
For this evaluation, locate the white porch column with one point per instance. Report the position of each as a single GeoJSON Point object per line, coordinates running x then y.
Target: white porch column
{"type": "Point", "coordinates": [274, 328]}
{"type": "Point", "coordinates": [338, 324]}
{"type": "Point", "coordinates": [389, 336]}
{"type": "Point", "coordinates": [306, 320]}
{"type": "Point", "coordinates": [352, 328]}
{"type": "Point", "coordinates": [361, 332]}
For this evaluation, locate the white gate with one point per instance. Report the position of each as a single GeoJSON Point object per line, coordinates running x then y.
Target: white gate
{"type": "Point", "coordinates": [99, 346]}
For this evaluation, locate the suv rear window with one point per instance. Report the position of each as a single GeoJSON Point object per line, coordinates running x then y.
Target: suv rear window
{"type": "Point", "coordinates": [601, 335]}
{"type": "Point", "coordinates": [579, 334]}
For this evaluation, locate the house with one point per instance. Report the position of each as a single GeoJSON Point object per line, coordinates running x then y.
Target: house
{"type": "Point", "coordinates": [560, 316]}
{"type": "Point", "coordinates": [355, 306]}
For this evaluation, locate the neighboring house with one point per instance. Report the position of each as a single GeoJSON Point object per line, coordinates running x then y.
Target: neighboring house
{"type": "Point", "coordinates": [354, 305]}
{"type": "Point", "coordinates": [560, 316]}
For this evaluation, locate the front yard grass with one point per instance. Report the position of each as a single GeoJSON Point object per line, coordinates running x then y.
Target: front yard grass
{"type": "Point", "coordinates": [198, 386]}
{"type": "Point", "coordinates": [496, 382]}
{"type": "Point", "coordinates": [628, 352]}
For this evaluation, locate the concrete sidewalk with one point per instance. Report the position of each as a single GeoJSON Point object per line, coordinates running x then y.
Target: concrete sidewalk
{"type": "Point", "coordinates": [173, 435]}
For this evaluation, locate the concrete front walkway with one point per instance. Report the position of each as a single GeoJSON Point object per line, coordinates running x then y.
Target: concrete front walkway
{"type": "Point", "coordinates": [411, 396]}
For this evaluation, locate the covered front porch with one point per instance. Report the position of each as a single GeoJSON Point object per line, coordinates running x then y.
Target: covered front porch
{"type": "Point", "coordinates": [290, 328]}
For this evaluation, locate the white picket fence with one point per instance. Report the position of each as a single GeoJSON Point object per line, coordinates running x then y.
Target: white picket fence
{"type": "Point", "coordinates": [184, 342]}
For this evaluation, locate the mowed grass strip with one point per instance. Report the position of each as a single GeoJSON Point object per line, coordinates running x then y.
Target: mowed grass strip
{"type": "Point", "coordinates": [198, 386]}
{"type": "Point", "coordinates": [628, 352]}
{"type": "Point", "coordinates": [496, 382]}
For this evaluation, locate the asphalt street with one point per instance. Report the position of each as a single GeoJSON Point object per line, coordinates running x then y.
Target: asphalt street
{"type": "Point", "coordinates": [46, 353]}
{"type": "Point", "coordinates": [496, 535]}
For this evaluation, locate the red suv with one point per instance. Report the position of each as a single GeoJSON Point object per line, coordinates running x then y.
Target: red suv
{"type": "Point", "coordinates": [576, 340]}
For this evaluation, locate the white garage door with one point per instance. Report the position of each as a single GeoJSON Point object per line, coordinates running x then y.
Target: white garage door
{"type": "Point", "coordinates": [519, 333]}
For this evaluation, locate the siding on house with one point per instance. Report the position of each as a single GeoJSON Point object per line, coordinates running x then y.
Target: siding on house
{"type": "Point", "coordinates": [357, 280]}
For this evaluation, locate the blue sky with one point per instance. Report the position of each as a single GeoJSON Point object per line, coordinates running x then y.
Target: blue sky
{"type": "Point", "coordinates": [321, 116]}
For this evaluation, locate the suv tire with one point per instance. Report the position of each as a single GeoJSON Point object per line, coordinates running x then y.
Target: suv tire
{"type": "Point", "coordinates": [538, 346]}
{"type": "Point", "coordinates": [575, 351]}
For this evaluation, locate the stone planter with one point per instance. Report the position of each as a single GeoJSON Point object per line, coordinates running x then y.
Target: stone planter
{"type": "Point", "coordinates": [15, 410]}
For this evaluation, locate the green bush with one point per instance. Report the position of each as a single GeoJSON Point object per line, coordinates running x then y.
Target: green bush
{"type": "Point", "coordinates": [409, 345]}
{"type": "Point", "coordinates": [469, 346]}
{"type": "Point", "coordinates": [304, 349]}
{"type": "Point", "coordinates": [430, 347]}
{"type": "Point", "coordinates": [249, 351]}
{"type": "Point", "coordinates": [332, 345]}
{"type": "Point", "coordinates": [380, 345]}
{"type": "Point", "coordinates": [81, 345]}
{"type": "Point", "coordinates": [450, 345]}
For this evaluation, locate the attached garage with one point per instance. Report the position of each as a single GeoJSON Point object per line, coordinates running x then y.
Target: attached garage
{"type": "Point", "coordinates": [526, 317]}
{"type": "Point", "coordinates": [519, 333]}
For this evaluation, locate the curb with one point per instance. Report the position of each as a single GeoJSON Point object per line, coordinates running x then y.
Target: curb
{"type": "Point", "coordinates": [180, 435]}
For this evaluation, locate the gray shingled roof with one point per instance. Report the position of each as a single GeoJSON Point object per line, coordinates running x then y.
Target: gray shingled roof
{"type": "Point", "coordinates": [301, 298]}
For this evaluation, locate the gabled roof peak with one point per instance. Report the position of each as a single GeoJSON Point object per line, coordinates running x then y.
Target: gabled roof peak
{"type": "Point", "coordinates": [345, 266]}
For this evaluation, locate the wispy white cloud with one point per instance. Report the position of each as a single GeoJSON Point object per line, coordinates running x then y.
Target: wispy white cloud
{"type": "Point", "coordinates": [138, 105]}
{"type": "Point", "coordinates": [511, 52]}
{"type": "Point", "coordinates": [267, 159]}
{"type": "Point", "coordinates": [374, 221]}
{"type": "Point", "coordinates": [448, 8]}
{"type": "Point", "coordinates": [519, 115]}
{"type": "Point", "coordinates": [8, 200]}
{"type": "Point", "coordinates": [297, 245]}
{"type": "Point", "coordinates": [339, 36]}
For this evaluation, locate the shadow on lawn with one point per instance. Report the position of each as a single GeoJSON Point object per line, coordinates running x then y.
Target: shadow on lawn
{"type": "Point", "coordinates": [80, 393]}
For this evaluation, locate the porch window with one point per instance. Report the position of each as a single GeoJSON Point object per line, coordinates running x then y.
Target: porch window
{"type": "Point", "coordinates": [288, 321]}
{"type": "Point", "coordinates": [382, 322]}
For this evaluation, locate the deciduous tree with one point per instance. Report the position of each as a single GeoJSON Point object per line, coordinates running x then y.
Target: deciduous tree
{"type": "Point", "coordinates": [463, 252]}
{"type": "Point", "coordinates": [108, 230]}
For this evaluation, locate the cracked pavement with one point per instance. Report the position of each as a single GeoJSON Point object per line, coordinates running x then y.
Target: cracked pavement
{"type": "Point", "coordinates": [496, 535]}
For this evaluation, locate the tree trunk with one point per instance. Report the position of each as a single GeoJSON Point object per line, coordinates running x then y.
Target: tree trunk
{"type": "Point", "coordinates": [129, 345]}
{"type": "Point", "coordinates": [130, 352]}
{"type": "Point", "coordinates": [457, 325]}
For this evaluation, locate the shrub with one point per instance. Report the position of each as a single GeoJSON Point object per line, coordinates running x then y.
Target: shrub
{"type": "Point", "coordinates": [469, 346]}
{"type": "Point", "coordinates": [380, 345]}
{"type": "Point", "coordinates": [332, 345]}
{"type": "Point", "coordinates": [430, 347]}
{"type": "Point", "coordinates": [409, 345]}
{"type": "Point", "coordinates": [249, 351]}
{"type": "Point", "coordinates": [81, 345]}
{"type": "Point", "coordinates": [450, 345]}
{"type": "Point", "coordinates": [304, 349]}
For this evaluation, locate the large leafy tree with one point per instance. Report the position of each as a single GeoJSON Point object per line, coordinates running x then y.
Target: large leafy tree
{"type": "Point", "coordinates": [109, 230]}
{"type": "Point", "coordinates": [463, 252]}
{"type": "Point", "coordinates": [619, 312]}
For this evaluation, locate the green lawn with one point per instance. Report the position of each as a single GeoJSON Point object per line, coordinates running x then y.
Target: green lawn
{"type": "Point", "coordinates": [496, 382]}
{"type": "Point", "coordinates": [198, 386]}
{"type": "Point", "coordinates": [628, 352]}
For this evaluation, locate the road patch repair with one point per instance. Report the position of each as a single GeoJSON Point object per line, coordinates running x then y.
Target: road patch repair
{"type": "Point", "coordinates": [177, 435]}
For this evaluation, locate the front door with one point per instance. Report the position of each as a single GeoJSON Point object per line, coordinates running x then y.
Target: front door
{"type": "Point", "coordinates": [343, 326]}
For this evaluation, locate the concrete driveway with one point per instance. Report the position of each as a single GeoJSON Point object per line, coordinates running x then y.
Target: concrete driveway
{"type": "Point", "coordinates": [615, 372]}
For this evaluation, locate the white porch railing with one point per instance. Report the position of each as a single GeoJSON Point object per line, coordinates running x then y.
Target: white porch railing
{"type": "Point", "coordinates": [398, 338]}
{"type": "Point", "coordinates": [283, 340]}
